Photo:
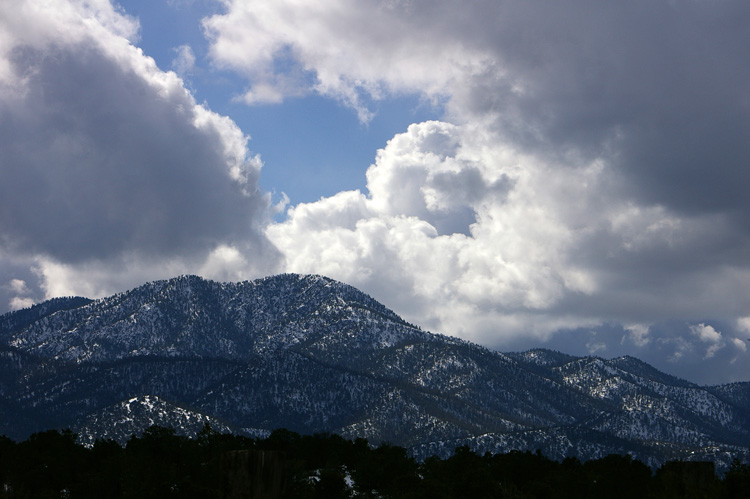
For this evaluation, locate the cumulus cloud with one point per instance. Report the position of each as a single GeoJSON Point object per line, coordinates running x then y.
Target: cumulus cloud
{"type": "Point", "coordinates": [708, 334]}
{"type": "Point", "coordinates": [658, 89]}
{"type": "Point", "coordinates": [458, 262]}
{"type": "Point", "coordinates": [110, 169]}
{"type": "Point", "coordinates": [18, 286]}
{"type": "Point", "coordinates": [743, 324]}
{"type": "Point", "coordinates": [19, 294]}
{"type": "Point", "coordinates": [528, 249]}
{"type": "Point", "coordinates": [591, 173]}
{"type": "Point", "coordinates": [588, 174]}
{"type": "Point", "coordinates": [20, 302]}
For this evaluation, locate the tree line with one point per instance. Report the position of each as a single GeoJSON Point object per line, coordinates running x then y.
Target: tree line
{"type": "Point", "coordinates": [160, 463]}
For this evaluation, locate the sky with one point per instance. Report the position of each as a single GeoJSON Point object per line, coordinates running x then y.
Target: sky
{"type": "Point", "coordinates": [568, 175]}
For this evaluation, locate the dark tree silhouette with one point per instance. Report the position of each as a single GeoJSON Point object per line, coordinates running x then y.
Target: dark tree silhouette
{"type": "Point", "coordinates": [161, 464]}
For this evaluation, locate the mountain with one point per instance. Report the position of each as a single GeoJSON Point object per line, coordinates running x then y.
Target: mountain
{"type": "Point", "coordinates": [314, 355]}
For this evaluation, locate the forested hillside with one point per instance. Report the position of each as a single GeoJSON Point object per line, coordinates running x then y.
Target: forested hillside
{"type": "Point", "coordinates": [160, 464]}
{"type": "Point", "coordinates": [314, 355]}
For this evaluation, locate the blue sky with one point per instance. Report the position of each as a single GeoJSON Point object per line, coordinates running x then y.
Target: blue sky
{"type": "Point", "coordinates": [314, 146]}
{"type": "Point", "coordinates": [516, 173]}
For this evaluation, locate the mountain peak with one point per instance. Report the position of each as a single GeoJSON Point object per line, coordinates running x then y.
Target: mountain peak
{"type": "Point", "coordinates": [312, 354]}
{"type": "Point", "coordinates": [189, 316]}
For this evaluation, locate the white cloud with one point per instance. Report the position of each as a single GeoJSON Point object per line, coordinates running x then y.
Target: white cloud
{"type": "Point", "coordinates": [39, 24]}
{"type": "Point", "coordinates": [467, 236]}
{"type": "Point", "coordinates": [96, 278]}
{"type": "Point", "coordinates": [739, 344]}
{"type": "Point", "coordinates": [184, 61]}
{"type": "Point", "coordinates": [18, 286]}
{"type": "Point", "coordinates": [581, 179]}
{"type": "Point", "coordinates": [638, 334]}
{"type": "Point", "coordinates": [348, 51]}
{"type": "Point", "coordinates": [743, 324]}
{"type": "Point", "coordinates": [263, 93]}
{"type": "Point", "coordinates": [20, 294]}
{"type": "Point", "coordinates": [572, 82]}
{"type": "Point", "coordinates": [19, 303]}
{"type": "Point", "coordinates": [708, 334]}
{"type": "Point", "coordinates": [461, 263]}
{"type": "Point", "coordinates": [576, 184]}
{"type": "Point", "coordinates": [112, 174]}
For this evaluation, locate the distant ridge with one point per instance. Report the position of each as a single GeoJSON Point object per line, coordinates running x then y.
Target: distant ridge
{"type": "Point", "coordinates": [22, 318]}
{"type": "Point", "coordinates": [312, 354]}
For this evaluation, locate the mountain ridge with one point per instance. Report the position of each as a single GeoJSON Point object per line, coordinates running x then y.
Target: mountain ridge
{"type": "Point", "coordinates": [312, 354]}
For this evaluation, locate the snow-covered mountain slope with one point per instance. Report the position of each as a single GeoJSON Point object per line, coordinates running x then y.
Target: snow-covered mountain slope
{"type": "Point", "coordinates": [128, 417]}
{"type": "Point", "coordinates": [312, 354]}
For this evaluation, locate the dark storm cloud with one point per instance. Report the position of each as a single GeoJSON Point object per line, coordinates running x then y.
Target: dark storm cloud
{"type": "Point", "coordinates": [664, 269]}
{"type": "Point", "coordinates": [95, 161]}
{"type": "Point", "coordinates": [658, 88]}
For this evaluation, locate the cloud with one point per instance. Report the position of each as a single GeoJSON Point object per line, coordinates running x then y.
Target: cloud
{"type": "Point", "coordinates": [445, 233]}
{"type": "Point", "coordinates": [184, 61]}
{"type": "Point", "coordinates": [18, 302]}
{"type": "Point", "coordinates": [739, 344]}
{"type": "Point", "coordinates": [109, 168]}
{"type": "Point", "coordinates": [350, 52]}
{"type": "Point", "coordinates": [658, 89]}
{"type": "Point", "coordinates": [588, 169]}
{"type": "Point", "coordinates": [708, 334]}
{"type": "Point", "coordinates": [511, 246]}
{"type": "Point", "coordinates": [638, 334]}
{"type": "Point", "coordinates": [19, 294]}
{"type": "Point", "coordinates": [18, 286]}
{"type": "Point", "coordinates": [743, 324]}
{"type": "Point", "coordinates": [672, 348]}
{"type": "Point", "coordinates": [419, 174]}
{"type": "Point", "coordinates": [587, 175]}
